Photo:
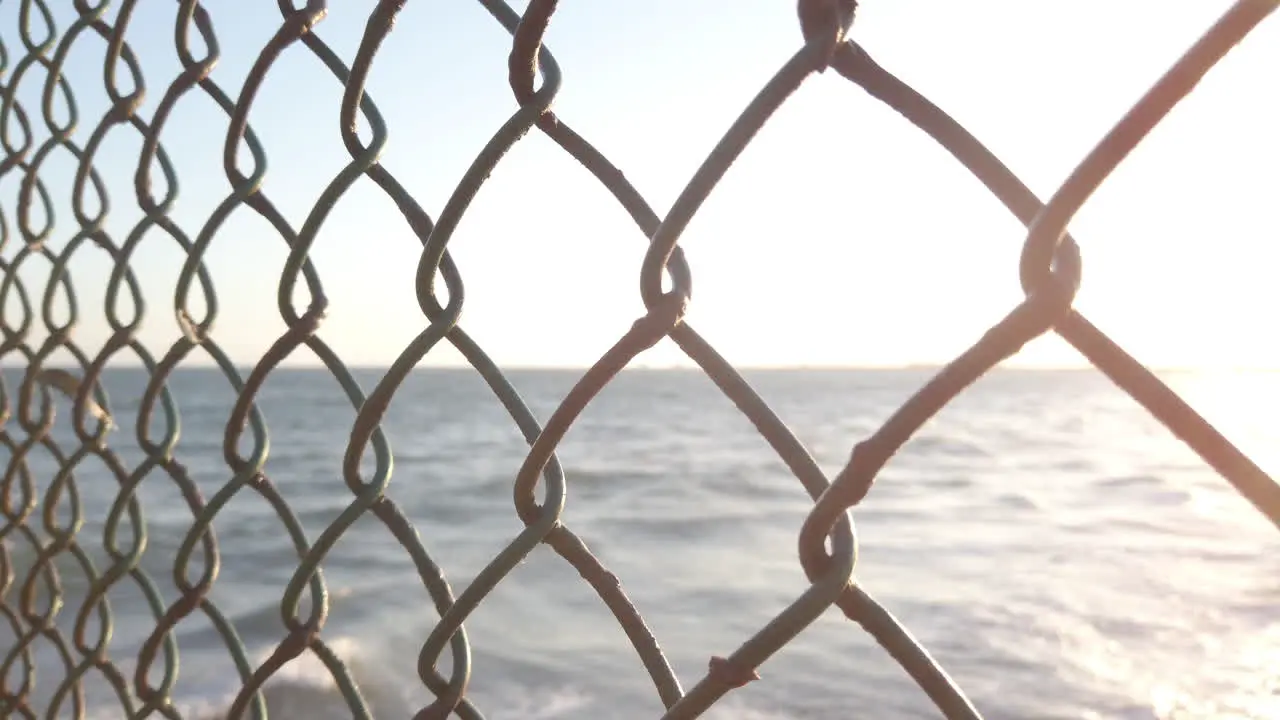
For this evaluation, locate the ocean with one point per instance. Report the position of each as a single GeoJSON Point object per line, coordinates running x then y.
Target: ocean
{"type": "Point", "coordinates": [1055, 548]}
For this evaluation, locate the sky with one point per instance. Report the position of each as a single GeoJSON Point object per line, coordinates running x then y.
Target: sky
{"type": "Point", "coordinates": [843, 235]}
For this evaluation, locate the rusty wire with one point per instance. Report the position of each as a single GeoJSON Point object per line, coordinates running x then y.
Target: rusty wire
{"type": "Point", "coordinates": [1050, 272]}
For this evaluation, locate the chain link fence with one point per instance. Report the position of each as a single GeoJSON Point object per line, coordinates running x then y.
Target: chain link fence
{"type": "Point", "coordinates": [29, 599]}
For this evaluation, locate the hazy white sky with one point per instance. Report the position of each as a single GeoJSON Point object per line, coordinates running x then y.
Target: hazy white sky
{"type": "Point", "coordinates": [843, 235]}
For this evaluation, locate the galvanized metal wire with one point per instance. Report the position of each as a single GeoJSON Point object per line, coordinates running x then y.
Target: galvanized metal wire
{"type": "Point", "coordinates": [1050, 271]}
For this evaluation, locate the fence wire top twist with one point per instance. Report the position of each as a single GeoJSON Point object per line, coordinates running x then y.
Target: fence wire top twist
{"type": "Point", "coordinates": [1051, 269]}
